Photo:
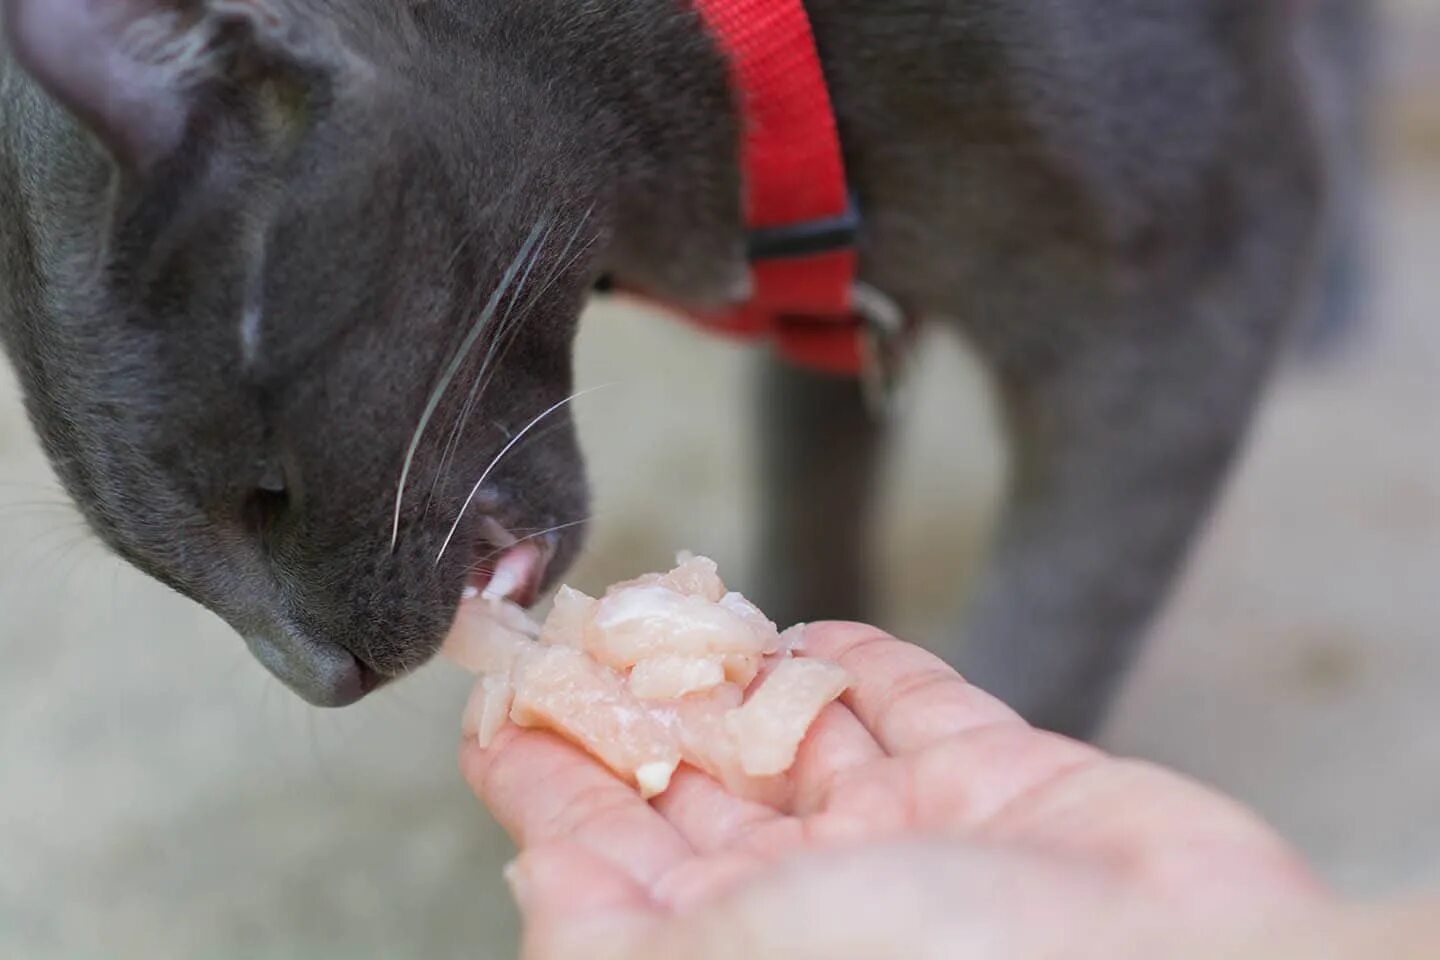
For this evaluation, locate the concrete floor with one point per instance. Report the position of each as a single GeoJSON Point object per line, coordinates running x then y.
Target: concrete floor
{"type": "Point", "coordinates": [161, 797]}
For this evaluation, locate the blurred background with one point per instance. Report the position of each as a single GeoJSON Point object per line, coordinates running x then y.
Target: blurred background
{"type": "Point", "coordinates": [161, 796]}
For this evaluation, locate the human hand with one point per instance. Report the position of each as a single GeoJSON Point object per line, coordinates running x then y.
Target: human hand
{"type": "Point", "coordinates": [928, 821]}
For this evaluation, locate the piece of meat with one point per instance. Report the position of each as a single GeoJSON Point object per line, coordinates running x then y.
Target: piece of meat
{"type": "Point", "coordinates": [561, 689]}
{"type": "Point", "coordinates": [489, 636]}
{"type": "Point", "coordinates": [488, 708]}
{"type": "Point", "coordinates": [792, 640]}
{"type": "Point", "coordinates": [708, 745]}
{"type": "Point", "coordinates": [653, 673]}
{"type": "Point", "coordinates": [693, 576]}
{"type": "Point", "coordinates": [698, 723]}
{"type": "Point", "coordinates": [569, 620]}
{"type": "Point", "coordinates": [646, 621]}
{"type": "Point", "coordinates": [670, 678]}
{"type": "Point", "coordinates": [768, 729]}
{"type": "Point", "coordinates": [763, 626]}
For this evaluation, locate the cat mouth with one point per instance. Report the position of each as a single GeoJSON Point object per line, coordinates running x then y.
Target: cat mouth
{"type": "Point", "coordinates": [507, 567]}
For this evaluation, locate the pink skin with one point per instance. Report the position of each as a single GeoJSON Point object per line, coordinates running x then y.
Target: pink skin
{"type": "Point", "coordinates": [929, 821]}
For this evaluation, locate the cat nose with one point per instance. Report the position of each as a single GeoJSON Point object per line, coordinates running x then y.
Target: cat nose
{"type": "Point", "coordinates": [321, 673]}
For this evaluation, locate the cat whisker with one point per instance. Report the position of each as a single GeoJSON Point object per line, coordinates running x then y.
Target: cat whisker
{"type": "Point", "coordinates": [562, 265]}
{"type": "Point", "coordinates": [486, 561]}
{"type": "Point", "coordinates": [449, 537]}
{"type": "Point", "coordinates": [479, 217]}
{"type": "Point", "coordinates": [458, 430]}
{"type": "Point", "coordinates": [508, 330]}
{"type": "Point", "coordinates": [504, 339]}
{"type": "Point", "coordinates": [453, 369]}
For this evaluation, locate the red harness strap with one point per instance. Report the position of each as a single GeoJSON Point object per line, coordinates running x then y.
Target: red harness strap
{"type": "Point", "coordinates": [797, 203]}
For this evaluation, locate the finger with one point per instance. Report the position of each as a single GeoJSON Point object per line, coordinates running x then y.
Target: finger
{"type": "Point", "coordinates": [837, 744]}
{"type": "Point", "coordinates": [563, 878]}
{"type": "Point", "coordinates": [970, 779]}
{"type": "Point", "coordinates": [907, 697]}
{"type": "Point", "coordinates": [713, 820]}
{"type": "Point", "coordinates": [866, 804]}
{"type": "Point", "coordinates": [542, 790]}
{"type": "Point", "coordinates": [576, 904]}
{"type": "Point", "coordinates": [704, 880]}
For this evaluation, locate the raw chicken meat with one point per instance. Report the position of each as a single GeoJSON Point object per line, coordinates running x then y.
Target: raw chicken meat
{"type": "Point", "coordinates": [642, 622]}
{"type": "Point", "coordinates": [694, 576]}
{"type": "Point", "coordinates": [561, 689]}
{"type": "Point", "coordinates": [489, 708]}
{"type": "Point", "coordinates": [654, 673]}
{"type": "Point", "coordinates": [569, 616]}
{"type": "Point", "coordinates": [768, 729]}
{"type": "Point", "coordinates": [670, 678]}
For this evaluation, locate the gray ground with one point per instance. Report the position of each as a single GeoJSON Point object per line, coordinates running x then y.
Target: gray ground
{"type": "Point", "coordinates": [160, 797]}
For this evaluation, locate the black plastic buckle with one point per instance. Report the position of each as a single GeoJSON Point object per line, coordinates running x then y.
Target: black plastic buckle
{"type": "Point", "coordinates": [791, 242]}
{"type": "Point", "coordinates": [808, 239]}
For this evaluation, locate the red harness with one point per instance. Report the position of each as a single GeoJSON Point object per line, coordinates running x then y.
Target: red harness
{"type": "Point", "coordinates": [801, 220]}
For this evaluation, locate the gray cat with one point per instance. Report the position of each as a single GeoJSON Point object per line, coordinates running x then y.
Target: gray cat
{"type": "Point", "coordinates": [281, 279]}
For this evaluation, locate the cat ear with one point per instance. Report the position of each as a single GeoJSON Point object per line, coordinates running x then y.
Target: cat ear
{"type": "Point", "coordinates": [134, 70]}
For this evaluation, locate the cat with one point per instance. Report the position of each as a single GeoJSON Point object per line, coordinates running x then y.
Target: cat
{"type": "Point", "coordinates": [292, 286]}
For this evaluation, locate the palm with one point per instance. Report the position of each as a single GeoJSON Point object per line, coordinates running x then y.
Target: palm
{"type": "Point", "coordinates": [918, 782]}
